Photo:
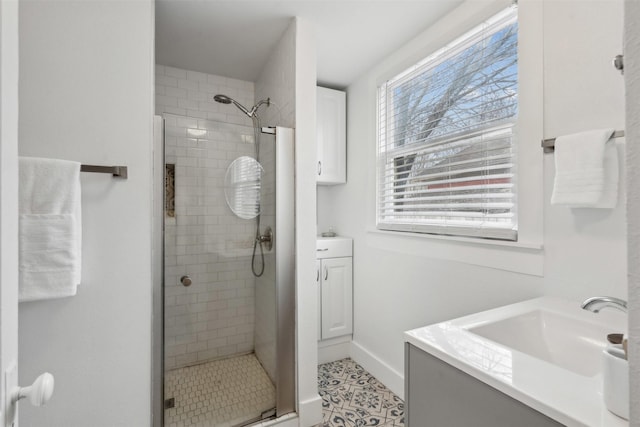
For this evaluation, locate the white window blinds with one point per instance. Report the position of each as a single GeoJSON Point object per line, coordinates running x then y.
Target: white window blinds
{"type": "Point", "coordinates": [446, 152]}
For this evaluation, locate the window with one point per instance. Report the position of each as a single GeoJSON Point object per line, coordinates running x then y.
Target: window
{"type": "Point", "coordinates": [446, 138]}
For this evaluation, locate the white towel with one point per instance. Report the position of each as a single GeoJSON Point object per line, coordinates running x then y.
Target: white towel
{"type": "Point", "coordinates": [50, 228]}
{"type": "Point", "coordinates": [586, 170]}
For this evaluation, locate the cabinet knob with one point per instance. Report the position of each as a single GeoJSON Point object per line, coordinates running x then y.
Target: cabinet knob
{"type": "Point", "coordinates": [186, 281]}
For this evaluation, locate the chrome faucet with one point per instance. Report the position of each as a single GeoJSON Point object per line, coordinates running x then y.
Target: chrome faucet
{"type": "Point", "coordinates": [596, 304]}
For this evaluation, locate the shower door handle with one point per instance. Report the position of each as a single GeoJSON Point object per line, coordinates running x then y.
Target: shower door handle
{"type": "Point", "coordinates": [319, 168]}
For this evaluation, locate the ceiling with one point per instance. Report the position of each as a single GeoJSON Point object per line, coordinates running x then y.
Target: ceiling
{"type": "Point", "coordinates": [234, 38]}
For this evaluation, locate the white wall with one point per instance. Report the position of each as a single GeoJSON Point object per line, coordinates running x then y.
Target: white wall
{"type": "Point", "coordinates": [585, 249]}
{"type": "Point", "coordinates": [276, 82]}
{"type": "Point", "coordinates": [8, 200]}
{"type": "Point", "coordinates": [86, 94]}
{"type": "Point", "coordinates": [305, 158]}
{"type": "Point", "coordinates": [402, 283]}
{"type": "Point", "coordinates": [632, 77]}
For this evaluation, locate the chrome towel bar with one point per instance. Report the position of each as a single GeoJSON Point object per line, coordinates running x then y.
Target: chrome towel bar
{"type": "Point", "coordinates": [549, 144]}
{"type": "Point", "coordinates": [116, 171]}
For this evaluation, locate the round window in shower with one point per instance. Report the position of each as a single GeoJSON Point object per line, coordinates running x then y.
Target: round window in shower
{"type": "Point", "coordinates": [242, 187]}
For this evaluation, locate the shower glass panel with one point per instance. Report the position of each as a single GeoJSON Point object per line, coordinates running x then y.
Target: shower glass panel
{"type": "Point", "coordinates": [220, 332]}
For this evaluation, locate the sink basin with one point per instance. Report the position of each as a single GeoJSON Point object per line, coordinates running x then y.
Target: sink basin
{"type": "Point", "coordinates": [545, 352]}
{"type": "Point", "coordinates": [573, 344]}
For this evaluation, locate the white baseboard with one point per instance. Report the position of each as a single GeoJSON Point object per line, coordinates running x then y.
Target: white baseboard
{"type": "Point", "coordinates": [391, 378]}
{"type": "Point", "coordinates": [334, 349]}
{"type": "Point", "coordinates": [310, 412]}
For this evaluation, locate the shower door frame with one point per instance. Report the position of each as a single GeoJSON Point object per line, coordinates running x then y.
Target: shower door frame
{"type": "Point", "coordinates": [285, 272]}
{"type": "Point", "coordinates": [157, 294]}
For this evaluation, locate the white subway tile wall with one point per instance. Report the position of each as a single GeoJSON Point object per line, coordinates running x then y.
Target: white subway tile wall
{"type": "Point", "coordinates": [214, 317]}
{"type": "Point", "coordinates": [189, 93]}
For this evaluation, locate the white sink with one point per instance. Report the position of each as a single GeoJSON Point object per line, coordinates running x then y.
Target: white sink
{"type": "Point", "coordinates": [545, 353]}
{"type": "Point", "coordinates": [573, 344]}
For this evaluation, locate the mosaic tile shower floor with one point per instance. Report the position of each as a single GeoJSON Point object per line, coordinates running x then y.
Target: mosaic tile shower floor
{"type": "Point", "coordinates": [222, 393]}
{"type": "Point", "coordinates": [352, 397]}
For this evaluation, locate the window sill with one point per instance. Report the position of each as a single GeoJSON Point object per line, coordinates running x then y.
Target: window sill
{"type": "Point", "coordinates": [519, 257]}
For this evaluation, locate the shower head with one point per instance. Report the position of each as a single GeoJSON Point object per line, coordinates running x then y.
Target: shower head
{"type": "Point", "coordinates": [224, 99]}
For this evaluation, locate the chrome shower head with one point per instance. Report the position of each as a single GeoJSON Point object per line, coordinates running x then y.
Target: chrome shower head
{"type": "Point", "coordinates": [224, 99]}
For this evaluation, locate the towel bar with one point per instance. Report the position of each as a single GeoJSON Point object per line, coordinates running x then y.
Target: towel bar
{"type": "Point", "coordinates": [549, 144]}
{"type": "Point", "coordinates": [116, 171]}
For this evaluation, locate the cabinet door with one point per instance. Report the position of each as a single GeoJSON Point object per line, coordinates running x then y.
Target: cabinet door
{"type": "Point", "coordinates": [332, 138]}
{"type": "Point", "coordinates": [337, 297]}
{"type": "Point", "coordinates": [319, 289]}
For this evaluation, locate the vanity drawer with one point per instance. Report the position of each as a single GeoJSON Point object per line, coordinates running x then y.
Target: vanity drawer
{"type": "Point", "coordinates": [333, 247]}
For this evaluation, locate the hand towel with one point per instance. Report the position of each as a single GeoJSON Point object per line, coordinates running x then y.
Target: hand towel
{"type": "Point", "coordinates": [586, 170]}
{"type": "Point", "coordinates": [50, 228]}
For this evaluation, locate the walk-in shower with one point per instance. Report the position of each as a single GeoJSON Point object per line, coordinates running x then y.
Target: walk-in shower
{"type": "Point", "coordinates": [228, 314]}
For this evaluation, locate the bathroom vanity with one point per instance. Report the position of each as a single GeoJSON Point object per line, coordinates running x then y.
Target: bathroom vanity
{"type": "Point", "coordinates": [534, 363]}
{"type": "Point", "coordinates": [334, 281]}
{"type": "Point", "coordinates": [437, 394]}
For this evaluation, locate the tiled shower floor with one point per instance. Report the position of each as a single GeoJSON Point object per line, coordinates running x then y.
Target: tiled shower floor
{"type": "Point", "coordinates": [352, 397]}
{"type": "Point", "coordinates": [222, 393]}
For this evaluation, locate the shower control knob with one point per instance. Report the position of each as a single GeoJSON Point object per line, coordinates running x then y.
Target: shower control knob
{"type": "Point", "coordinates": [618, 63]}
{"type": "Point", "coordinates": [186, 281]}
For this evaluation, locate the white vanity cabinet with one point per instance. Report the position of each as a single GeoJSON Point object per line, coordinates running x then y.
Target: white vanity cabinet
{"type": "Point", "coordinates": [334, 279]}
{"type": "Point", "coordinates": [331, 167]}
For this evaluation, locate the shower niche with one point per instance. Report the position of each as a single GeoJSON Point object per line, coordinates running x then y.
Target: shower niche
{"type": "Point", "coordinates": [228, 337]}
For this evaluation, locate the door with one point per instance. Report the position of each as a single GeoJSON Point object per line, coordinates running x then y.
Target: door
{"type": "Point", "coordinates": [8, 209]}
{"type": "Point", "coordinates": [337, 296]}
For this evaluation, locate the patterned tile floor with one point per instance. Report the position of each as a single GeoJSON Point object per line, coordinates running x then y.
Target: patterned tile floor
{"type": "Point", "coordinates": [352, 397]}
{"type": "Point", "coordinates": [222, 393]}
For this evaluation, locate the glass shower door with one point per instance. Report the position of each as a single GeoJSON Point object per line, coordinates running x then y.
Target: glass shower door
{"type": "Point", "coordinates": [220, 320]}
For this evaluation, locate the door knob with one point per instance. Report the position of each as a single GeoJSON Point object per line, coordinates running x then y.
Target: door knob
{"type": "Point", "coordinates": [38, 393]}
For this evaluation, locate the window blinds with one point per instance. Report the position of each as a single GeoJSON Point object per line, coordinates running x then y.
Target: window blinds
{"type": "Point", "coordinates": [446, 151]}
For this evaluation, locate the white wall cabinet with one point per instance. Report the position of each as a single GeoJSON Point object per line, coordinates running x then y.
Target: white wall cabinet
{"type": "Point", "coordinates": [335, 287]}
{"type": "Point", "coordinates": [332, 136]}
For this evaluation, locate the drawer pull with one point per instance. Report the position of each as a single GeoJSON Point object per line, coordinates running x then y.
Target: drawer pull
{"type": "Point", "coordinates": [322, 250]}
